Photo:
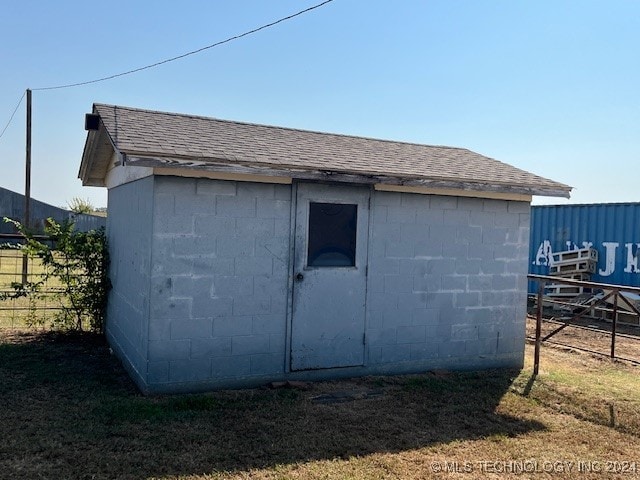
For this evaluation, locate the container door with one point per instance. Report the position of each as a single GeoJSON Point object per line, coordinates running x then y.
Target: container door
{"type": "Point", "coordinates": [329, 286]}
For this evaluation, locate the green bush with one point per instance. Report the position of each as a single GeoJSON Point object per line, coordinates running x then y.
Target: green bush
{"type": "Point", "coordinates": [79, 263]}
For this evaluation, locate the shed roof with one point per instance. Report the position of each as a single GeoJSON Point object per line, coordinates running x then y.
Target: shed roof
{"type": "Point", "coordinates": [173, 140]}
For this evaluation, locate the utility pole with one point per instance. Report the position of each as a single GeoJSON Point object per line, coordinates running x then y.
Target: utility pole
{"type": "Point", "coordinates": [27, 186]}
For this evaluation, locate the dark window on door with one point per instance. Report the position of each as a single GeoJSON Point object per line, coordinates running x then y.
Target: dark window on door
{"type": "Point", "coordinates": [332, 235]}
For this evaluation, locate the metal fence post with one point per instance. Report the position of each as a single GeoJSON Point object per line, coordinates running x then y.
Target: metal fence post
{"type": "Point", "coordinates": [536, 356]}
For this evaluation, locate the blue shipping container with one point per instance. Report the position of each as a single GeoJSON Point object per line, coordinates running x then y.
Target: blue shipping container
{"type": "Point", "coordinates": [612, 229]}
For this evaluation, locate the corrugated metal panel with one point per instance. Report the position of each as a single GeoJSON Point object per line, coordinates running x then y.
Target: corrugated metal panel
{"type": "Point", "coordinates": [612, 229]}
{"type": "Point", "coordinates": [12, 206]}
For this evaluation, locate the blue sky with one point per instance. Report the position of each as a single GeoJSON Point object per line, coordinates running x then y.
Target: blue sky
{"type": "Point", "coordinates": [552, 87]}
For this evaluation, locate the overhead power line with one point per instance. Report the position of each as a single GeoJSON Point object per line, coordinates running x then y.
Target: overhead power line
{"type": "Point", "coordinates": [13, 114]}
{"type": "Point", "coordinates": [193, 52]}
{"type": "Point", "coordinates": [168, 60]}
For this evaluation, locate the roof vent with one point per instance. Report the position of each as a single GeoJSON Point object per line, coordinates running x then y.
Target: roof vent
{"type": "Point", "coordinates": [91, 121]}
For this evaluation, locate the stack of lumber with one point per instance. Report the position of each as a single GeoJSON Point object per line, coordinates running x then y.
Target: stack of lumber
{"type": "Point", "coordinates": [574, 265]}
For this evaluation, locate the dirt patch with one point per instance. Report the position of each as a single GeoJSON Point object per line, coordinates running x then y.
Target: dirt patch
{"type": "Point", "coordinates": [342, 396]}
{"type": "Point", "coordinates": [592, 335]}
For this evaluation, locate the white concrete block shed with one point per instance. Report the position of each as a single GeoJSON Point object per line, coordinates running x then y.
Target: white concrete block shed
{"type": "Point", "coordinates": [243, 254]}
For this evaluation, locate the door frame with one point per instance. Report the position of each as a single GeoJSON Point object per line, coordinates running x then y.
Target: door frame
{"type": "Point", "coordinates": [292, 266]}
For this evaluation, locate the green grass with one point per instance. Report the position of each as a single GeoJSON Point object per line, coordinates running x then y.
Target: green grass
{"type": "Point", "coordinates": [70, 411]}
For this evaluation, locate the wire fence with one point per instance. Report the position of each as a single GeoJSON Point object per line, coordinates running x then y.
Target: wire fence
{"type": "Point", "coordinates": [602, 319]}
{"type": "Point", "coordinates": [31, 311]}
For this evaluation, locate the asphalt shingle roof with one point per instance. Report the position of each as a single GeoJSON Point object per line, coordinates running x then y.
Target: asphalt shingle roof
{"type": "Point", "coordinates": [150, 133]}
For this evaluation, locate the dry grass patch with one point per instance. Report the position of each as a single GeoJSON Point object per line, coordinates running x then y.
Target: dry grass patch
{"type": "Point", "coordinates": [590, 387]}
{"type": "Point", "coordinates": [69, 411]}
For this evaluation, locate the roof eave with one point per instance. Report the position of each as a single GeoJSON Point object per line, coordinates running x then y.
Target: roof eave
{"type": "Point", "coordinates": [301, 173]}
{"type": "Point", "coordinates": [96, 157]}
{"type": "Point", "coordinates": [87, 156]}
{"type": "Point", "coordinates": [552, 193]}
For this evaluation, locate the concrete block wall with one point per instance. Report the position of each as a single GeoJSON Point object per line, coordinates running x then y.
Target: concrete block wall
{"type": "Point", "coordinates": [447, 281]}
{"type": "Point", "coordinates": [129, 234]}
{"type": "Point", "coordinates": [200, 271]}
{"type": "Point", "coordinates": [218, 282]}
